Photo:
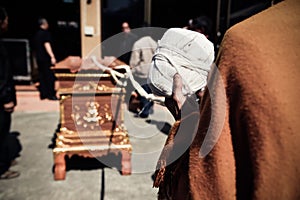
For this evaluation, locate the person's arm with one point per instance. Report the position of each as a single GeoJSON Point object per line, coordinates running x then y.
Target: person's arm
{"type": "Point", "coordinates": [9, 107]}
{"type": "Point", "coordinates": [175, 103]}
{"type": "Point", "coordinates": [180, 105]}
{"type": "Point", "coordinates": [7, 88]}
{"type": "Point", "coordinates": [8, 97]}
{"type": "Point", "coordinates": [50, 52]}
{"type": "Point", "coordinates": [134, 58]}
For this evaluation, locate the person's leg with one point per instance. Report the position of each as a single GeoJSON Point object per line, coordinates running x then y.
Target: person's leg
{"type": "Point", "coordinates": [129, 88]}
{"type": "Point", "coordinates": [145, 103]}
{"type": "Point", "coordinates": [42, 80]}
{"type": "Point", "coordinates": [47, 81]}
{"type": "Point", "coordinates": [50, 84]}
{"type": "Point", "coordinates": [52, 80]}
{"type": "Point", "coordinates": [5, 120]}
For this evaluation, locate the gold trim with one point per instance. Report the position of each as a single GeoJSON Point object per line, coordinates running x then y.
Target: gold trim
{"type": "Point", "coordinates": [119, 130]}
{"type": "Point", "coordinates": [90, 87]}
{"type": "Point", "coordinates": [68, 75]}
{"type": "Point", "coordinates": [61, 102]}
{"type": "Point", "coordinates": [93, 148]}
{"type": "Point", "coordinates": [66, 91]}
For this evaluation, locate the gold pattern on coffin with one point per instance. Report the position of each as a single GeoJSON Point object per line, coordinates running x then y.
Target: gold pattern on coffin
{"type": "Point", "coordinates": [92, 117]}
{"type": "Point", "coordinates": [91, 86]}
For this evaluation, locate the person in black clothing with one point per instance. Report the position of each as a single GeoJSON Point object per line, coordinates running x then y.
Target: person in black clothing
{"type": "Point", "coordinates": [10, 146]}
{"type": "Point", "coordinates": [45, 59]}
{"type": "Point", "coordinates": [201, 24]}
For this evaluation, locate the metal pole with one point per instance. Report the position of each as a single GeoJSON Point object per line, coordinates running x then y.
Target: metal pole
{"type": "Point", "coordinates": [228, 14]}
{"type": "Point", "coordinates": [218, 13]}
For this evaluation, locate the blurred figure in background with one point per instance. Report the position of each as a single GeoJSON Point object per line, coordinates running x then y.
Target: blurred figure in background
{"type": "Point", "coordinates": [140, 61]}
{"type": "Point", "coordinates": [9, 144]}
{"type": "Point", "coordinates": [45, 59]}
{"type": "Point", "coordinates": [127, 41]}
{"type": "Point", "coordinates": [201, 24]}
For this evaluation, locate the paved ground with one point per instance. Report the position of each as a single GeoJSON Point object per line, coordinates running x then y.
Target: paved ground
{"type": "Point", "coordinates": [37, 121]}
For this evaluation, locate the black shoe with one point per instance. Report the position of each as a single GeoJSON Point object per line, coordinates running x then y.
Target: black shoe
{"type": "Point", "coordinates": [53, 98]}
{"type": "Point", "coordinates": [15, 133]}
{"type": "Point", "coordinates": [137, 115]}
{"type": "Point", "coordinates": [142, 115]}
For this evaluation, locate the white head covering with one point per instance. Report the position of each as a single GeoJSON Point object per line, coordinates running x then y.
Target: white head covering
{"type": "Point", "coordinates": [182, 51]}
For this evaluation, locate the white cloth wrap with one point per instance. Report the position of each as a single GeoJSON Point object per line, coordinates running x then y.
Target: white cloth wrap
{"type": "Point", "coordinates": [182, 51]}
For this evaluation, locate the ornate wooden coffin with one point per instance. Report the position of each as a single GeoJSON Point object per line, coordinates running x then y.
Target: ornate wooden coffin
{"type": "Point", "coordinates": [91, 120]}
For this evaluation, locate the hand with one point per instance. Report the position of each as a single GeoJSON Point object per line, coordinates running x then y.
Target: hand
{"type": "Point", "coordinates": [175, 103]}
{"type": "Point", "coordinates": [53, 61]}
{"type": "Point", "coordinates": [9, 107]}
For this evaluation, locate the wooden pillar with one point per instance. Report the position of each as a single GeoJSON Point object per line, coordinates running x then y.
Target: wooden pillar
{"type": "Point", "coordinates": [147, 11]}
{"type": "Point", "coordinates": [90, 21]}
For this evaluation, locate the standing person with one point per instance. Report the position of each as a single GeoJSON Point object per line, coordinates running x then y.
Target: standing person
{"type": "Point", "coordinates": [45, 59]}
{"type": "Point", "coordinates": [127, 41]}
{"type": "Point", "coordinates": [201, 24]}
{"type": "Point", "coordinates": [9, 146]}
{"type": "Point", "coordinates": [187, 54]}
{"type": "Point", "coordinates": [247, 143]}
{"type": "Point", "coordinates": [140, 61]}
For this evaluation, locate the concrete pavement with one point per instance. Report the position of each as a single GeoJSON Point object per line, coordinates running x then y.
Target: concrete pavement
{"type": "Point", "coordinates": [37, 120]}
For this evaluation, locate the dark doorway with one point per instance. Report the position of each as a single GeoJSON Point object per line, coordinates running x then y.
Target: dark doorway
{"type": "Point", "coordinates": [63, 17]}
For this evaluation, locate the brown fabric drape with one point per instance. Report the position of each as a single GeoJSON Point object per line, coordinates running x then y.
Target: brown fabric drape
{"type": "Point", "coordinates": [257, 155]}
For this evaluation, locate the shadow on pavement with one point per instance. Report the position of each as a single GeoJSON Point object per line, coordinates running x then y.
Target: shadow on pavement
{"type": "Point", "coordinates": [164, 127]}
